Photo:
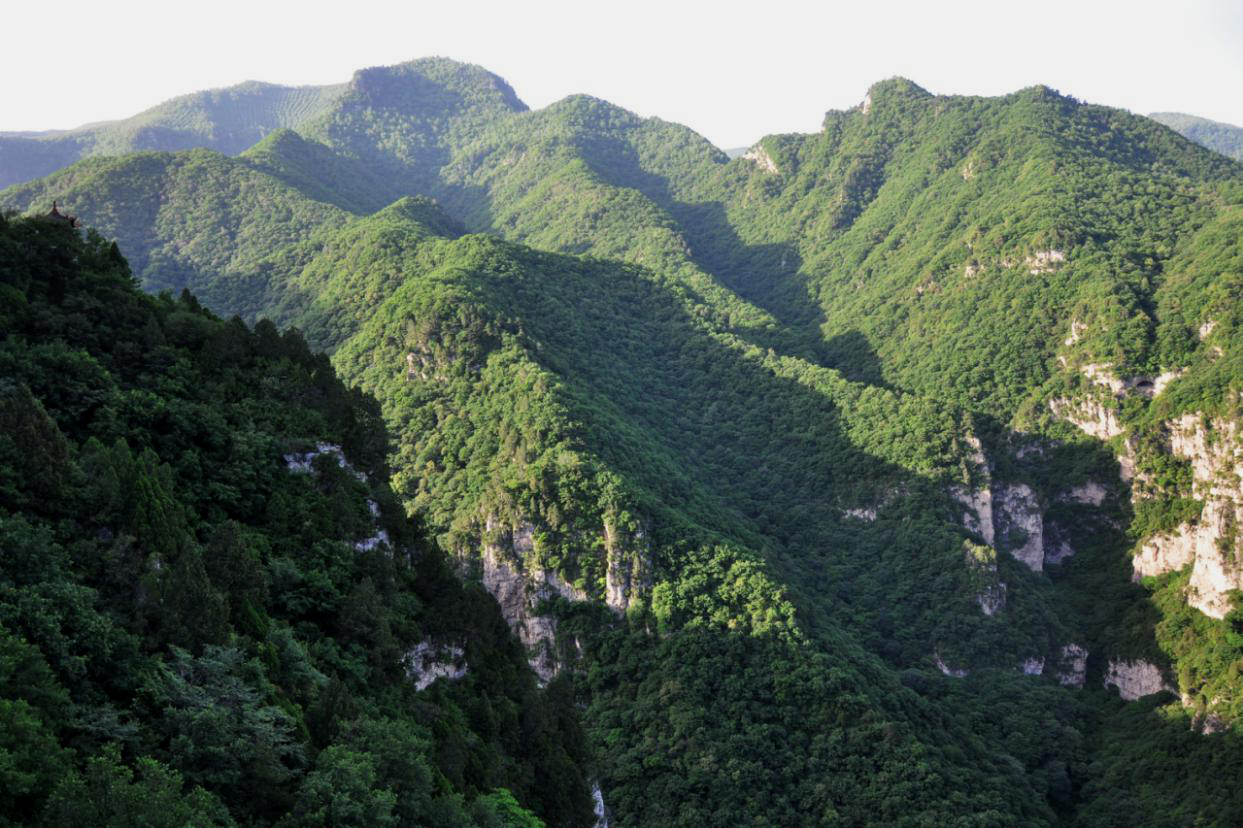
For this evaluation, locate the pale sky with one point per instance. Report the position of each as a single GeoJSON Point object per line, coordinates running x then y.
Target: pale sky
{"type": "Point", "coordinates": [732, 71]}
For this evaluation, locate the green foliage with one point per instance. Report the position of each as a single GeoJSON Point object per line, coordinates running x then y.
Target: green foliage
{"type": "Point", "coordinates": [194, 633]}
{"type": "Point", "coordinates": [749, 386]}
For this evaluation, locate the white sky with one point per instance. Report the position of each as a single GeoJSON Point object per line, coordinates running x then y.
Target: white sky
{"type": "Point", "coordinates": [732, 71]}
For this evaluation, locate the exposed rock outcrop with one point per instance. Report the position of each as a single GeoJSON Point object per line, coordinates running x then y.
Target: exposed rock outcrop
{"type": "Point", "coordinates": [946, 669]}
{"type": "Point", "coordinates": [1006, 516]}
{"type": "Point", "coordinates": [978, 517]}
{"type": "Point", "coordinates": [1211, 543]}
{"type": "Point", "coordinates": [1020, 524]}
{"type": "Point", "coordinates": [627, 569]}
{"type": "Point", "coordinates": [1092, 417]}
{"type": "Point", "coordinates": [1032, 666]}
{"type": "Point", "coordinates": [1044, 261]}
{"type": "Point", "coordinates": [1073, 666]}
{"type": "Point", "coordinates": [427, 661]}
{"type": "Point", "coordinates": [1057, 546]}
{"type": "Point", "coordinates": [1136, 679]}
{"type": "Point", "coordinates": [760, 157]}
{"type": "Point", "coordinates": [982, 563]}
{"type": "Point", "coordinates": [303, 462]}
{"type": "Point", "coordinates": [519, 598]}
{"type": "Point", "coordinates": [520, 587]}
{"type": "Point", "coordinates": [978, 502]}
{"type": "Point", "coordinates": [1090, 493]}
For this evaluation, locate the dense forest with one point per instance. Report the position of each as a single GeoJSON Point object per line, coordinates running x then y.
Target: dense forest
{"type": "Point", "coordinates": [887, 475]}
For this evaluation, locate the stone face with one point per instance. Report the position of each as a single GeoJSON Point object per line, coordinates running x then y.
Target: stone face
{"type": "Point", "coordinates": [1044, 261]}
{"type": "Point", "coordinates": [1135, 679]}
{"type": "Point", "coordinates": [1074, 666]}
{"type": "Point", "coordinates": [946, 669]}
{"type": "Point", "coordinates": [760, 157]}
{"type": "Point", "coordinates": [1103, 375]}
{"type": "Point", "coordinates": [979, 502]}
{"type": "Point", "coordinates": [1090, 493]}
{"type": "Point", "coordinates": [1091, 416]}
{"type": "Point", "coordinates": [982, 562]}
{"type": "Point", "coordinates": [520, 587]}
{"type": "Point", "coordinates": [302, 462]}
{"type": "Point", "coordinates": [1020, 516]}
{"type": "Point", "coordinates": [1032, 666]}
{"type": "Point", "coordinates": [978, 517]}
{"type": "Point", "coordinates": [427, 661]}
{"type": "Point", "coordinates": [627, 569]}
{"type": "Point", "coordinates": [1210, 544]}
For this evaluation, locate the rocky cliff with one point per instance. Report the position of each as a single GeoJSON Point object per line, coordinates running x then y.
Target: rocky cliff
{"type": "Point", "coordinates": [1210, 544]}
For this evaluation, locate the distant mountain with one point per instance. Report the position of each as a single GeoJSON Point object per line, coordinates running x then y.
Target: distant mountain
{"type": "Point", "coordinates": [841, 478]}
{"type": "Point", "coordinates": [1224, 138]}
{"type": "Point", "coordinates": [227, 120]}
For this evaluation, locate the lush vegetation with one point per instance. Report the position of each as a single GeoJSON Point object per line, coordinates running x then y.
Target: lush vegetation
{"type": "Point", "coordinates": [753, 385]}
{"type": "Point", "coordinates": [193, 634]}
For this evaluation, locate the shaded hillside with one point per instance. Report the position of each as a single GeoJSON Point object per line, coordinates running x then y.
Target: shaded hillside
{"type": "Point", "coordinates": [889, 447]}
{"type": "Point", "coordinates": [213, 611]}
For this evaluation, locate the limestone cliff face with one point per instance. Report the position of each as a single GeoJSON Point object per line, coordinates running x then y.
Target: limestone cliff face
{"type": "Point", "coordinates": [627, 568]}
{"type": "Point", "coordinates": [428, 661]}
{"type": "Point", "coordinates": [1092, 417]}
{"type": "Point", "coordinates": [1073, 669]}
{"type": "Point", "coordinates": [1020, 524]}
{"type": "Point", "coordinates": [1211, 543]}
{"type": "Point", "coordinates": [1136, 679]}
{"type": "Point", "coordinates": [520, 591]}
{"type": "Point", "coordinates": [990, 590]}
{"type": "Point", "coordinates": [1006, 516]}
{"type": "Point", "coordinates": [760, 157]}
{"type": "Point", "coordinates": [1098, 416]}
{"type": "Point", "coordinates": [520, 587]}
{"type": "Point", "coordinates": [978, 502]}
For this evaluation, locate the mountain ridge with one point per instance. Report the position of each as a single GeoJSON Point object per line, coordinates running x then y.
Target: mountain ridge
{"type": "Point", "coordinates": [846, 393]}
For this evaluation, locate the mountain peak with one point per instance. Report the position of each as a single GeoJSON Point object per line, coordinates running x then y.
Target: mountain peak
{"type": "Point", "coordinates": [894, 89]}
{"type": "Point", "coordinates": [435, 82]}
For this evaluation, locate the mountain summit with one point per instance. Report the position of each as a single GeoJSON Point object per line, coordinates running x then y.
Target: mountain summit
{"type": "Point", "coordinates": [885, 475]}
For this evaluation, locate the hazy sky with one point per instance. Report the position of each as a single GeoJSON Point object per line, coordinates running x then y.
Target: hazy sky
{"type": "Point", "coordinates": [734, 72]}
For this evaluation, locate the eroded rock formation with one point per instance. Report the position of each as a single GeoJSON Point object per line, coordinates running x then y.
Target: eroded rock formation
{"type": "Point", "coordinates": [1211, 543]}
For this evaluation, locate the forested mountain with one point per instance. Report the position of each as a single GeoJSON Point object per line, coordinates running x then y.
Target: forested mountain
{"type": "Point", "coordinates": [227, 120]}
{"type": "Point", "coordinates": [866, 478]}
{"type": "Point", "coordinates": [1224, 138]}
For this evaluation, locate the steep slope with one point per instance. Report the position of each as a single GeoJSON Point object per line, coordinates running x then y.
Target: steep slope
{"type": "Point", "coordinates": [828, 412]}
{"type": "Point", "coordinates": [1224, 138]}
{"type": "Point", "coordinates": [1044, 264]}
{"type": "Point", "coordinates": [208, 582]}
{"type": "Point", "coordinates": [186, 218]}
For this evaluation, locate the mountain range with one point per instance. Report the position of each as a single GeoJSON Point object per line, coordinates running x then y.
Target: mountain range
{"type": "Point", "coordinates": [887, 475]}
